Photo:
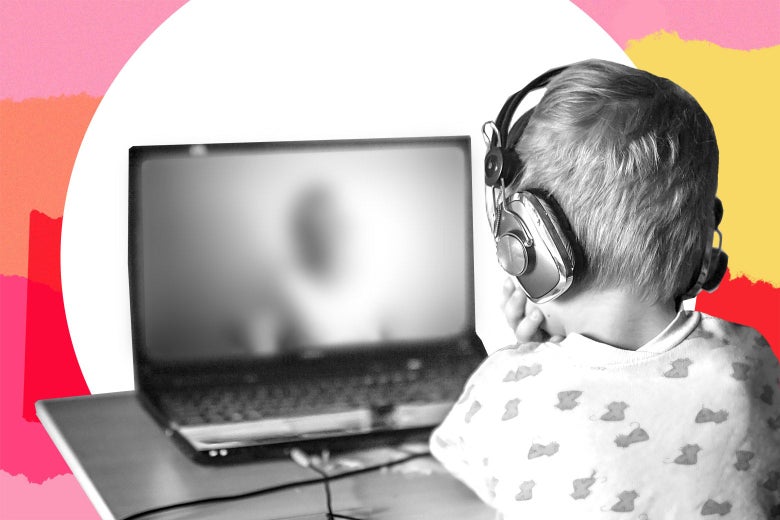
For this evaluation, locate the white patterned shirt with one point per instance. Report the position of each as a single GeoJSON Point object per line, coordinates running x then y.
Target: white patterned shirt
{"type": "Point", "coordinates": [686, 427]}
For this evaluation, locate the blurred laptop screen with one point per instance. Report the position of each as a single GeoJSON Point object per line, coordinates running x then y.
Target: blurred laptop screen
{"type": "Point", "coordinates": [297, 248]}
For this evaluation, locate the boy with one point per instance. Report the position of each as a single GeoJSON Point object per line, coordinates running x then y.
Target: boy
{"type": "Point", "coordinates": [641, 410]}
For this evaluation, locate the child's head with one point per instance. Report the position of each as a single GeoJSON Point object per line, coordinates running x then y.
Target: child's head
{"type": "Point", "coordinates": [632, 160]}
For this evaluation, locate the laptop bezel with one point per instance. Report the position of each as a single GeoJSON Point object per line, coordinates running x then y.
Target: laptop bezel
{"type": "Point", "coordinates": [155, 374]}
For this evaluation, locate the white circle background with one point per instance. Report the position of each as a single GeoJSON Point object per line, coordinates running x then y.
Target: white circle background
{"type": "Point", "coordinates": [232, 71]}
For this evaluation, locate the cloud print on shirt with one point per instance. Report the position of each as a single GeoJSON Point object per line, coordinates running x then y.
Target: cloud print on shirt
{"type": "Point", "coordinates": [522, 372]}
{"type": "Point", "coordinates": [636, 435]}
{"type": "Point", "coordinates": [707, 415]}
{"type": "Point", "coordinates": [568, 400]}
{"type": "Point", "coordinates": [537, 450]}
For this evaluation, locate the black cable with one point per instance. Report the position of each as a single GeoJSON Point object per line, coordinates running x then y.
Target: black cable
{"type": "Point", "coordinates": [277, 488]}
{"type": "Point", "coordinates": [326, 481]}
{"type": "Point", "coordinates": [328, 497]}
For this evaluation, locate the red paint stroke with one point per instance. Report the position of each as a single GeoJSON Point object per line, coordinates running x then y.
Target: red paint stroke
{"type": "Point", "coordinates": [50, 366]}
{"type": "Point", "coordinates": [756, 304]}
{"type": "Point", "coordinates": [26, 448]}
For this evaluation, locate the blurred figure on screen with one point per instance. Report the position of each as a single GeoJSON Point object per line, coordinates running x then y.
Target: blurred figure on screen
{"type": "Point", "coordinates": [319, 294]}
{"type": "Point", "coordinates": [320, 233]}
{"type": "Point", "coordinates": [328, 285]}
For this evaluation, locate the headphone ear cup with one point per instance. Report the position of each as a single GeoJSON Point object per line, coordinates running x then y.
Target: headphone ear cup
{"type": "Point", "coordinates": [718, 210]}
{"type": "Point", "coordinates": [494, 166]}
{"type": "Point", "coordinates": [562, 228]}
{"type": "Point", "coordinates": [719, 262]}
{"type": "Point", "coordinates": [501, 164]}
{"type": "Point", "coordinates": [714, 263]}
{"type": "Point", "coordinates": [569, 245]}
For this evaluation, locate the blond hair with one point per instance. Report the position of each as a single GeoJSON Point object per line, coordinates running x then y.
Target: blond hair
{"type": "Point", "coordinates": [632, 161]}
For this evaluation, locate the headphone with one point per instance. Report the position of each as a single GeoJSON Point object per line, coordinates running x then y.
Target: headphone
{"type": "Point", "coordinates": [534, 241]}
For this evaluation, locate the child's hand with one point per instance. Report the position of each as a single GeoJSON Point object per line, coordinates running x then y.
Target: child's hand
{"type": "Point", "coordinates": [523, 317]}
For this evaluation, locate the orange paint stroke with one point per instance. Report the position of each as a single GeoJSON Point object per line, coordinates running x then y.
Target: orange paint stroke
{"type": "Point", "coordinates": [39, 140]}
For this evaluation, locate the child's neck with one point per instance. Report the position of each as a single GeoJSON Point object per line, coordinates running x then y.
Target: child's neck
{"type": "Point", "coordinates": [614, 317]}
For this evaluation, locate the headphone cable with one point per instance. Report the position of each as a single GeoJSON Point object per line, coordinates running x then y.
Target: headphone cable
{"type": "Point", "coordinates": [324, 478]}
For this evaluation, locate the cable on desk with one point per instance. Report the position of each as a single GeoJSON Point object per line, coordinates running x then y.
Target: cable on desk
{"type": "Point", "coordinates": [326, 480]}
{"type": "Point", "coordinates": [277, 488]}
{"type": "Point", "coordinates": [302, 459]}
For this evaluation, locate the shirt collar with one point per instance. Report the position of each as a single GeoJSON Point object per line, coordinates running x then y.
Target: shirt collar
{"type": "Point", "coordinates": [596, 352]}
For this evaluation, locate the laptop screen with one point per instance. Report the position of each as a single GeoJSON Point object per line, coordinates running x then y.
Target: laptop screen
{"type": "Point", "coordinates": [260, 250]}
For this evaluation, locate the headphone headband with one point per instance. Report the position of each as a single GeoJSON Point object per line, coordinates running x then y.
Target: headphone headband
{"type": "Point", "coordinates": [508, 110]}
{"type": "Point", "coordinates": [501, 162]}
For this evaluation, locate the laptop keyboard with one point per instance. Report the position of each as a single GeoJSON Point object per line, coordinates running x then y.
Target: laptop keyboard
{"type": "Point", "coordinates": [442, 383]}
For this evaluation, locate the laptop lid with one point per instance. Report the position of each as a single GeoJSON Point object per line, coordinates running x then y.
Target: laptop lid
{"type": "Point", "coordinates": [256, 261]}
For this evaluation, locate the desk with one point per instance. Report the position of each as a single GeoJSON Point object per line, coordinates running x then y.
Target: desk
{"type": "Point", "coordinates": [125, 463]}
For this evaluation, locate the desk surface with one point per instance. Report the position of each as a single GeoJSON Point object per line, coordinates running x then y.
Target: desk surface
{"type": "Point", "coordinates": [126, 464]}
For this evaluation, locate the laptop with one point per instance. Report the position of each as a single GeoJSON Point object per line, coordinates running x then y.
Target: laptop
{"type": "Point", "coordinates": [311, 294]}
